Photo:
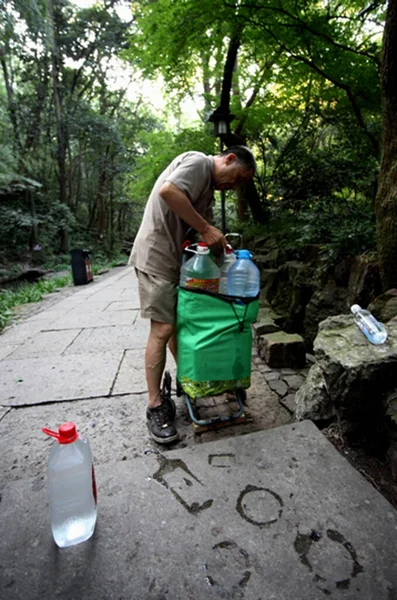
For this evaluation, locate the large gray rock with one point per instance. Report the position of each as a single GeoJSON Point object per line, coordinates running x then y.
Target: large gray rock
{"type": "Point", "coordinates": [312, 400]}
{"type": "Point", "coordinates": [356, 375]}
{"type": "Point", "coordinates": [364, 281]}
{"type": "Point", "coordinates": [384, 307]}
{"type": "Point", "coordinates": [328, 301]}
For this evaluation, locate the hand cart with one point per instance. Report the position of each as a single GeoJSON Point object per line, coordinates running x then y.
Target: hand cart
{"type": "Point", "coordinates": [214, 340]}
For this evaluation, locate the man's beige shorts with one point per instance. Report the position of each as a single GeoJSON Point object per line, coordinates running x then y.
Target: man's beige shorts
{"type": "Point", "coordinates": [157, 298]}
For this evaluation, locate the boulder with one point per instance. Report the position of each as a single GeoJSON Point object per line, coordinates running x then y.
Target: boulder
{"type": "Point", "coordinates": [312, 400]}
{"type": "Point", "coordinates": [384, 307]}
{"type": "Point", "coordinates": [356, 375]}
{"type": "Point", "coordinates": [364, 281]}
{"type": "Point", "coordinates": [282, 349]}
{"type": "Point", "coordinates": [272, 259]}
{"type": "Point", "coordinates": [268, 282]}
{"type": "Point", "coordinates": [331, 300]}
{"type": "Point", "coordinates": [391, 412]}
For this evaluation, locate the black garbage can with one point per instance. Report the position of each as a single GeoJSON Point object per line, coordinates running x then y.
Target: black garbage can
{"type": "Point", "coordinates": [81, 267]}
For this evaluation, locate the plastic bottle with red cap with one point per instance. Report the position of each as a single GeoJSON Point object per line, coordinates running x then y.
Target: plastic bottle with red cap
{"type": "Point", "coordinates": [200, 271]}
{"type": "Point", "coordinates": [71, 487]}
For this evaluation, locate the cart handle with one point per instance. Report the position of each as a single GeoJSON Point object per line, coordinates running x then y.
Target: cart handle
{"type": "Point", "coordinates": [235, 235]}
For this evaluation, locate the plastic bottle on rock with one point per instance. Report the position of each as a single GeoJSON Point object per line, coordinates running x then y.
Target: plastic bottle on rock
{"type": "Point", "coordinates": [243, 278]}
{"type": "Point", "coordinates": [71, 487]}
{"type": "Point", "coordinates": [200, 272]}
{"type": "Point", "coordinates": [374, 331]}
{"type": "Point", "coordinates": [229, 260]}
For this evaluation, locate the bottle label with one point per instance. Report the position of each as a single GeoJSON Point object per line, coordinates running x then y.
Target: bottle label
{"type": "Point", "coordinates": [94, 491]}
{"type": "Point", "coordinates": [210, 285]}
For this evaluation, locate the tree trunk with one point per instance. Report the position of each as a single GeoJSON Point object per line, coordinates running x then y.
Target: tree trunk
{"type": "Point", "coordinates": [34, 234]}
{"type": "Point", "coordinates": [11, 104]}
{"type": "Point", "coordinates": [61, 145]}
{"type": "Point", "coordinates": [386, 198]}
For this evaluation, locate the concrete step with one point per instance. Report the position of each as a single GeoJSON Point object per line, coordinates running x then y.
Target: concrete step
{"type": "Point", "coordinates": [274, 515]}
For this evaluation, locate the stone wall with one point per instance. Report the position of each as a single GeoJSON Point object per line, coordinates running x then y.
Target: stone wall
{"type": "Point", "coordinates": [303, 293]}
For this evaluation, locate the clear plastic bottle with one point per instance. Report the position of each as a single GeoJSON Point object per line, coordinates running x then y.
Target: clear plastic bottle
{"type": "Point", "coordinates": [374, 331]}
{"type": "Point", "coordinates": [243, 278]}
{"type": "Point", "coordinates": [200, 271]}
{"type": "Point", "coordinates": [228, 261]}
{"type": "Point", "coordinates": [71, 487]}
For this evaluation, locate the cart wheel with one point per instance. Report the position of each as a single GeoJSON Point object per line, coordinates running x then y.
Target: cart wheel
{"type": "Point", "coordinates": [179, 389]}
{"type": "Point", "coordinates": [243, 395]}
{"type": "Point", "coordinates": [167, 381]}
{"type": "Point", "coordinates": [166, 393]}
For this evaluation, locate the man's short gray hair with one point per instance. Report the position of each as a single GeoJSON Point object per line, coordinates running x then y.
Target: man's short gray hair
{"type": "Point", "coordinates": [244, 156]}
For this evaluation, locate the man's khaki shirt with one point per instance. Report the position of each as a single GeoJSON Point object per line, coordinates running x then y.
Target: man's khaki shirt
{"type": "Point", "coordinates": [157, 247]}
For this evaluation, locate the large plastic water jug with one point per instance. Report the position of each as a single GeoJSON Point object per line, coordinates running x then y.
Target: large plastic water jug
{"type": "Point", "coordinates": [200, 271]}
{"type": "Point", "coordinates": [71, 487]}
{"type": "Point", "coordinates": [229, 260]}
{"type": "Point", "coordinates": [243, 278]}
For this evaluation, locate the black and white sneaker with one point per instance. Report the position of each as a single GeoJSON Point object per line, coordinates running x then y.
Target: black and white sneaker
{"type": "Point", "coordinates": [160, 421]}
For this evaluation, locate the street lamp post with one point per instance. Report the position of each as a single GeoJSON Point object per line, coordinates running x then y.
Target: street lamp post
{"type": "Point", "coordinates": [221, 120]}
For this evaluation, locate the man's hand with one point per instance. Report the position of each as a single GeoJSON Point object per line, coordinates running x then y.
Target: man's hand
{"type": "Point", "coordinates": [214, 238]}
{"type": "Point", "coordinates": [180, 204]}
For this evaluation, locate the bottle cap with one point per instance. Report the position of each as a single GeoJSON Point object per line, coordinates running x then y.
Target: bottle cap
{"type": "Point", "coordinates": [355, 308]}
{"type": "Point", "coordinates": [244, 254]}
{"type": "Point", "coordinates": [66, 433]}
{"type": "Point", "coordinates": [202, 248]}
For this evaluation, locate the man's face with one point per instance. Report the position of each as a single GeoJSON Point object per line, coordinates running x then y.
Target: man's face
{"type": "Point", "coordinates": [230, 174]}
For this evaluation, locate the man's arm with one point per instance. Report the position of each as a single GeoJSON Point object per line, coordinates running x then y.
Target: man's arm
{"type": "Point", "coordinates": [180, 204]}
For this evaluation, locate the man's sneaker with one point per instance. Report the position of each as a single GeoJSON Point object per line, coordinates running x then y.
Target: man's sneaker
{"type": "Point", "coordinates": [160, 422]}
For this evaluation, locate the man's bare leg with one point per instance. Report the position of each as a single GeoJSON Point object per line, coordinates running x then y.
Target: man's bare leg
{"type": "Point", "coordinates": [173, 346]}
{"type": "Point", "coordinates": [155, 356]}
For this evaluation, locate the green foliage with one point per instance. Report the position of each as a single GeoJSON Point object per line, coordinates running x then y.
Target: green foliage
{"type": "Point", "coordinates": [305, 93]}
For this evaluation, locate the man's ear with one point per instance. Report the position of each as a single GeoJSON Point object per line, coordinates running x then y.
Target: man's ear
{"type": "Point", "coordinates": [230, 158]}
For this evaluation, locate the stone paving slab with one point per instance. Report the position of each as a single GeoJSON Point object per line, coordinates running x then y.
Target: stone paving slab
{"type": "Point", "coordinates": [131, 374]}
{"type": "Point", "coordinates": [123, 305]}
{"type": "Point", "coordinates": [37, 380]}
{"type": "Point", "coordinates": [110, 294]}
{"type": "Point", "coordinates": [276, 515]}
{"type": "Point", "coordinates": [88, 306]}
{"type": "Point", "coordinates": [102, 339]}
{"type": "Point", "coordinates": [45, 343]}
{"type": "Point", "coordinates": [86, 319]}
{"type": "Point", "coordinates": [116, 428]}
{"type": "Point", "coordinates": [46, 315]}
{"type": "Point", "coordinates": [7, 349]}
{"type": "Point", "coordinates": [18, 334]}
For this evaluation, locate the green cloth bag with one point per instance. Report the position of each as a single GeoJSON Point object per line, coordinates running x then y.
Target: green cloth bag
{"type": "Point", "coordinates": [214, 339]}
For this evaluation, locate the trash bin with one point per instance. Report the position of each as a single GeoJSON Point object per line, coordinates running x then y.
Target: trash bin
{"type": "Point", "coordinates": [81, 267]}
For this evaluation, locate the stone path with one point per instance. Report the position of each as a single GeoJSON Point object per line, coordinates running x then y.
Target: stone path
{"type": "Point", "coordinates": [272, 515]}
{"type": "Point", "coordinates": [79, 356]}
